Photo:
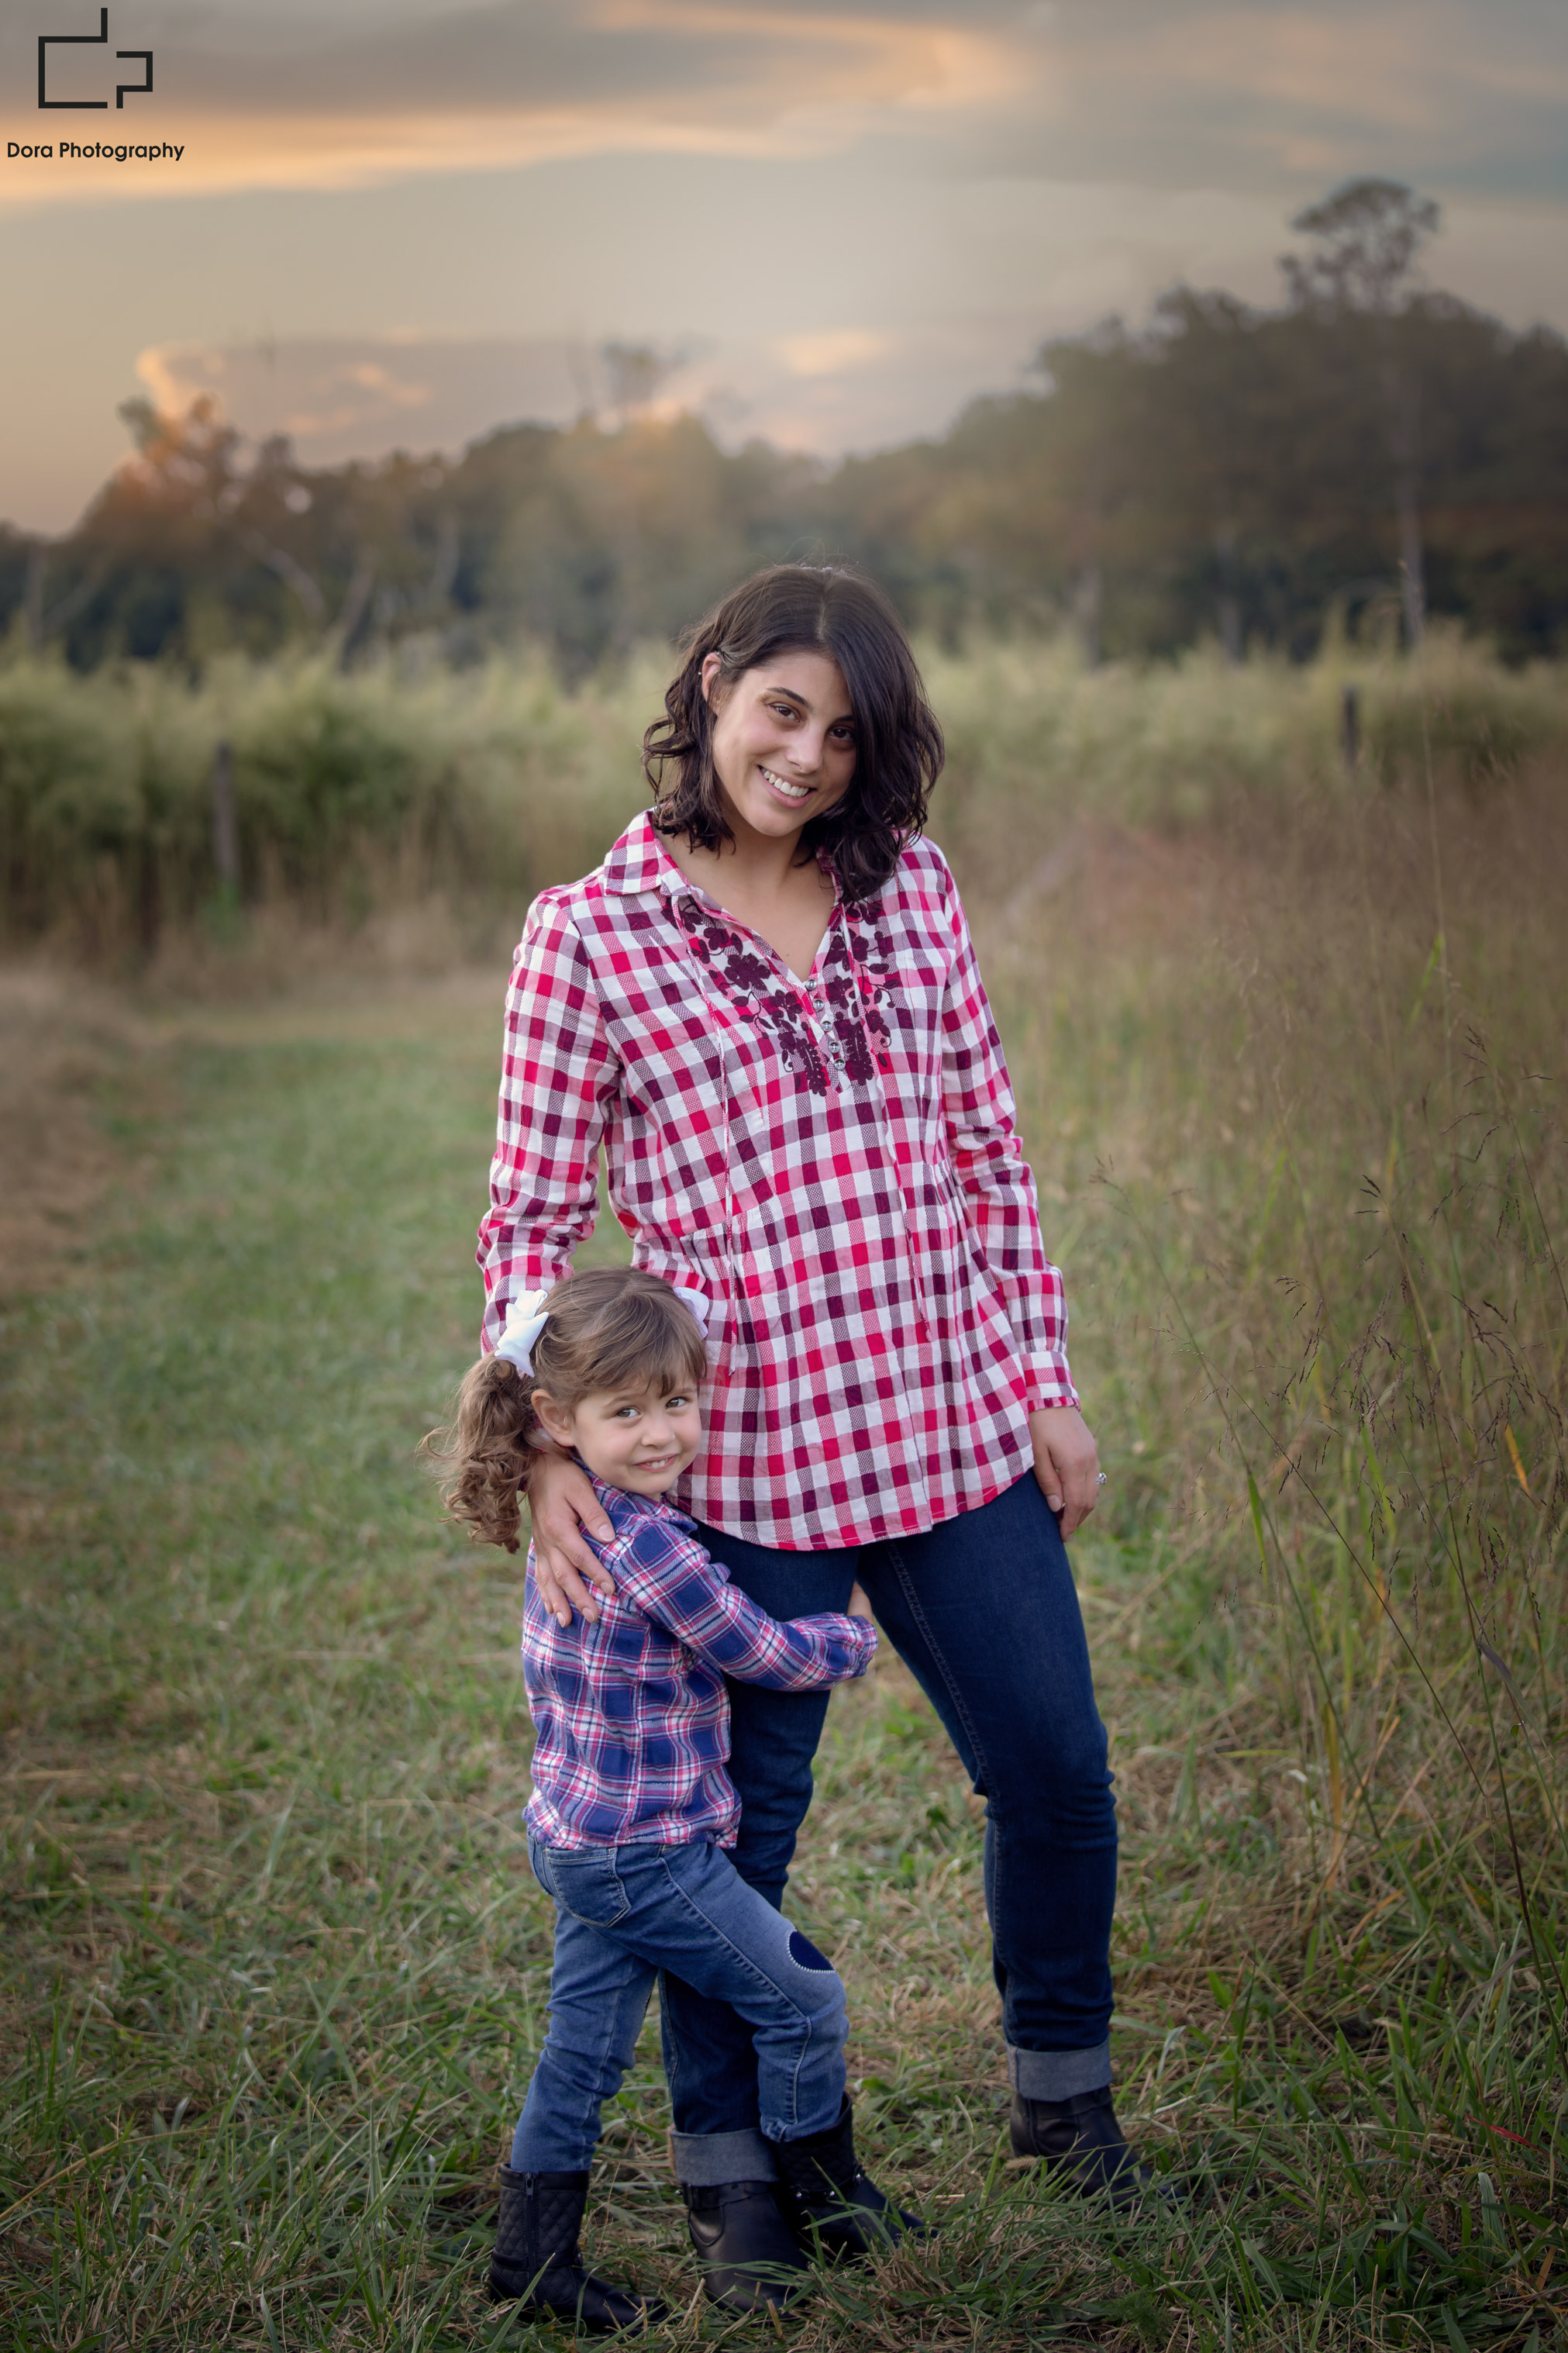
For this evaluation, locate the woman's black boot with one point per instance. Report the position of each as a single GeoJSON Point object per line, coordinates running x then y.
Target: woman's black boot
{"type": "Point", "coordinates": [536, 2258]}
{"type": "Point", "coordinates": [749, 2259]}
{"type": "Point", "coordinates": [830, 2199]}
{"type": "Point", "coordinates": [1082, 2143]}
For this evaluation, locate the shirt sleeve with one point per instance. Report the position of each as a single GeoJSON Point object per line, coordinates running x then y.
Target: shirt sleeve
{"type": "Point", "coordinates": [988, 1160]}
{"type": "Point", "coordinates": [672, 1581]}
{"type": "Point", "coordinates": [560, 1076]}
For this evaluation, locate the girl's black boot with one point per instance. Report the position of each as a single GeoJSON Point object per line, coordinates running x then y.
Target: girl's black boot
{"type": "Point", "coordinates": [536, 2258]}
{"type": "Point", "coordinates": [829, 2198]}
{"type": "Point", "coordinates": [749, 2259]}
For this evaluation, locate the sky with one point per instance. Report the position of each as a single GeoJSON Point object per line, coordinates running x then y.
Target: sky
{"type": "Point", "coordinates": [402, 222]}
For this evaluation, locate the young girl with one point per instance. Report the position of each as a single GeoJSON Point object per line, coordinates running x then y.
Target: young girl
{"type": "Point", "coordinates": [632, 1808]}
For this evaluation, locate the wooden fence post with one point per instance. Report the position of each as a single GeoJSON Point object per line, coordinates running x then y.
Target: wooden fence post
{"type": "Point", "coordinates": [226, 830]}
{"type": "Point", "coordinates": [1350, 728]}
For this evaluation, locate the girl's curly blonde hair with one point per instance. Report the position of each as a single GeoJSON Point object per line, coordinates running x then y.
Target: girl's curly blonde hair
{"type": "Point", "coordinates": [613, 1328]}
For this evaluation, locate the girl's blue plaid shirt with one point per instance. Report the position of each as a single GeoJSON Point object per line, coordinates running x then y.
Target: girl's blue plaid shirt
{"type": "Point", "coordinates": [631, 1715]}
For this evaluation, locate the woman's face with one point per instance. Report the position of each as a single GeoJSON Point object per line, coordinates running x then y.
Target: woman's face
{"type": "Point", "coordinates": [783, 741]}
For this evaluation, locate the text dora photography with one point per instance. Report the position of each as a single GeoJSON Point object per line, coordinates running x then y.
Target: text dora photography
{"type": "Point", "coordinates": [93, 150]}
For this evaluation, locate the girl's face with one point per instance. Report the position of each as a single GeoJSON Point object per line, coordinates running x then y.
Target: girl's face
{"type": "Point", "coordinates": [783, 741]}
{"type": "Point", "coordinates": [640, 1438]}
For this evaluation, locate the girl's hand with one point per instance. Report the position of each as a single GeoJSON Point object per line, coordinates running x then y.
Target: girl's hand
{"type": "Point", "coordinates": [560, 1505]}
{"type": "Point", "coordinates": [858, 1605]}
{"type": "Point", "coordinates": [1067, 1464]}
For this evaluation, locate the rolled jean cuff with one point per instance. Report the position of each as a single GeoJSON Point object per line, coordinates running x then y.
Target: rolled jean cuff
{"type": "Point", "coordinates": [705, 2160]}
{"type": "Point", "coordinates": [1058, 2075]}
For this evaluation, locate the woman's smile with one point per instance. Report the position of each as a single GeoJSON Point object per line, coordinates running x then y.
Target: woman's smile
{"type": "Point", "coordinates": [792, 795]}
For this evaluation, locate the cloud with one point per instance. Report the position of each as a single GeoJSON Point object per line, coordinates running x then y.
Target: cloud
{"type": "Point", "coordinates": [1173, 92]}
{"type": "Point", "coordinates": [832, 351]}
{"type": "Point", "coordinates": [823, 391]}
{"type": "Point", "coordinates": [1462, 93]}
{"type": "Point", "coordinates": [357, 397]}
{"type": "Point", "coordinates": [296, 101]}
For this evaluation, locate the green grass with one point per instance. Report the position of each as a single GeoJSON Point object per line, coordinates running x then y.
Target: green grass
{"type": "Point", "coordinates": [275, 1970]}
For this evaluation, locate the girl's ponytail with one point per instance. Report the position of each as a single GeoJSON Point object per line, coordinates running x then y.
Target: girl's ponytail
{"type": "Point", "coordinates": [490, 1448]}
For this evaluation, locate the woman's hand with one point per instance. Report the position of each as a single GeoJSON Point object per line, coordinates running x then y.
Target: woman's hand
{"type": "Point", "coordinates": [1067, 1464]}
{"type": "Point", "coordinates": [560, 1505]}
{"type": "Point", "coordinates": [859, 1604]}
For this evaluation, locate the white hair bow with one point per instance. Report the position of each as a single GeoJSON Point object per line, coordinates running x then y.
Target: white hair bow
{"type": "Point", "coordinates": [525, 1320]}
{"type": "Point", "coordinates": [527, 1317]}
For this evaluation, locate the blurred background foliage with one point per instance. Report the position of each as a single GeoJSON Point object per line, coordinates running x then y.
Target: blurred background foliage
{"type": "Point", "coordinates": [403, 784]}
{"type": "Point", "coordinates": [1258, 476]}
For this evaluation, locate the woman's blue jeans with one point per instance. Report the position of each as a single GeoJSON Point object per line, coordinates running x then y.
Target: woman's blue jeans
{"type": "Point", "coordinates": [983, 1611]}
{"type": "Point", "coordinates": [624, 1912]}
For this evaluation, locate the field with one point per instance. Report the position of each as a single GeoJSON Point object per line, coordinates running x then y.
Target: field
{"type": "Point", "coordinates": [1289, 1046]}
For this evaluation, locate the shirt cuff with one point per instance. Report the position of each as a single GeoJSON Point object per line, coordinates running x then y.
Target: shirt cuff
{"type": "Point", "coordinates": [1047, 1382]}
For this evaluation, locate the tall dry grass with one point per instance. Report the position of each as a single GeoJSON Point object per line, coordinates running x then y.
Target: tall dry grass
{"type": "Point", "coordinates": [359, 798]}
{"type": "Point", "coordinates": [1303, 1111]}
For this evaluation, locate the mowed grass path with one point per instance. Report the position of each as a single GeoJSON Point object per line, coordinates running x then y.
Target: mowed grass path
{"type": "Point", "coordinates": [274, 1966]}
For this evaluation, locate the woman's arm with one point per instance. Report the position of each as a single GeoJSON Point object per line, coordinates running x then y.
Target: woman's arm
{"type": "Point", "coordinates": [989, 1163]}
{"type": "Point", "coordinates": [560, 1505]}
{"type": "Point", "coordinates": [560, 1077]}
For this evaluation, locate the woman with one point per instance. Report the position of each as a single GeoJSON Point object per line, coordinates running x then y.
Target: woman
{"type": "Point", "coordinates": [765, 1008]}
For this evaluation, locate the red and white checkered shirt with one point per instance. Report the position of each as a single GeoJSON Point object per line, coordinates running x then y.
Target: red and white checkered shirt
{"type": "Point", "coordinates": [832, 1164]}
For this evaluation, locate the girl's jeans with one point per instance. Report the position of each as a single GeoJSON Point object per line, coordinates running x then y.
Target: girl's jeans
{"type": "Point", "coordinates": [983, 1611]}
{"type": "Point", "coordinates": [624, 1912]}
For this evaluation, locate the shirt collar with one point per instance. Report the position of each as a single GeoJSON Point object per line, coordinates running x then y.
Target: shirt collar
{"type": "Point", "coordinates": [640, 860]}
{"type": "Point", "coordinates": [651, 1508]}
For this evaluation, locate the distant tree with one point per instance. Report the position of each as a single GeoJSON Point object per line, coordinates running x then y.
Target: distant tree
{"type": "Point", "coordinates": [1216, 453]}
{"type": "Point", "coordinates": [633, 373]}
{"type": "Point", "coordinates": [1095, 418]}
{"type": "Point", "coordinates": [1367, 237]}
{"type": "Point", "coordinates": [1368, 234]}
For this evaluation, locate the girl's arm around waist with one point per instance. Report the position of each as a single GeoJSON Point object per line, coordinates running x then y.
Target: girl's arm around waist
{"type": "Point", "coordinates": [666, 1575]}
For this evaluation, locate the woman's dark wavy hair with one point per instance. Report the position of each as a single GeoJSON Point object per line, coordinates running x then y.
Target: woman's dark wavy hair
{"type": "Point", "coordinates": [898, 748]}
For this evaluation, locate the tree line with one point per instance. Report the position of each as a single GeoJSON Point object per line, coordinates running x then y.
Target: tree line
{"type": "Point", "coordinates": [1256, 475]}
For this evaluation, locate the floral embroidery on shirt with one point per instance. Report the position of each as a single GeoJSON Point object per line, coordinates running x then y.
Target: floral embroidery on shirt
{"type": "Point", "coordinates": [851, 1029]}
{"type": "Point", "coordinates": [870, 960]}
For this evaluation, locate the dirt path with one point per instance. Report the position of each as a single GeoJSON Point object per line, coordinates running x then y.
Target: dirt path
{"type": "Point", "coordinates": [61, 1040]}
{"type": "Point", "coordinates": [69, 1047]}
